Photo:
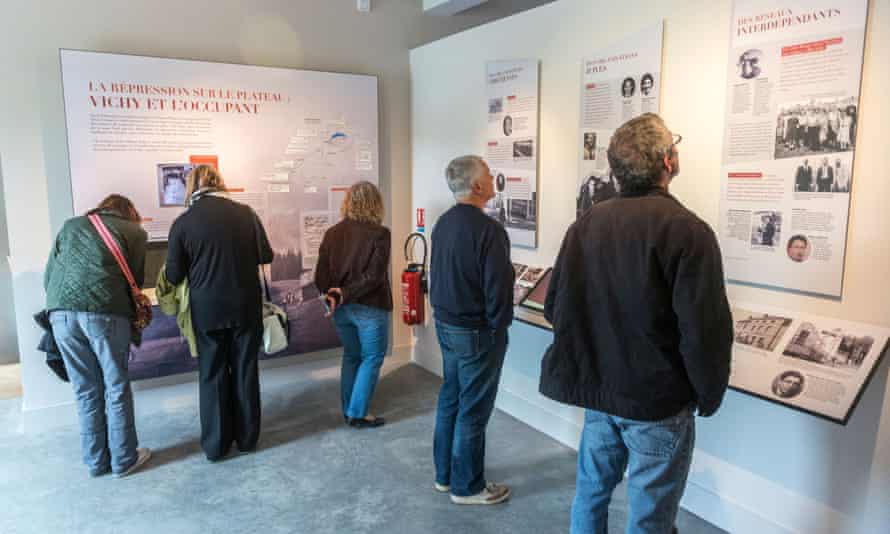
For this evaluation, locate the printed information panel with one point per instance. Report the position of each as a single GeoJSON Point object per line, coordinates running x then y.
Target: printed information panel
{"type": "Point", "coordinates": [814, 364]}
{"type": "Point", "coordinates": [618, 84]}
{"type": "Point", "coordinates": [792, 108]}
{"type": "Point", "coordinates": [512, 147]}
{"type": "Point", "coordinates": [288, 143]}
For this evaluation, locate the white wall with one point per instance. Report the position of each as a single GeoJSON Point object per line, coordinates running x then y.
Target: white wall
{"type": "Point", "coordinates": [325, 35]}
{"type": "Point", "coordinates": [8, 348]}
{"type": "Point", "coordinates": [758, 467]}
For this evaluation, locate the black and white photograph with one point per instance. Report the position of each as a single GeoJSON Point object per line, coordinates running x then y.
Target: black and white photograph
{"type": "Point", "coordinates": [823, 174]}
{"type": "Point", "coordinates": [520, 213]}
{"type": "Point", "coordinates": [798, 248]}
{"type": "Point", "coordinates": [508, 126]}
{"type": "Point", "coordinates": [500, 182]}
{"type": "Point", "coordinates": [749, 64]}
{"type": "Point", "coordinates": [594, 189]}
{"type": "Point", "coordinates": [518, 269]}
{"type": "Point", "coordinates": [829, 347]}
{"type": "Point", "coordinates": [497, 206]}
{"type": "Point", "coordinates": [495, 106]}
{"type": "Point", "coordinates": [523, 149]}
{"type": "Point", "coordinates": [841, 175]}
{"type": "Point", "coordinates": [759, 330]}
{"type": "Point", "coordinates": [531, 276]}
{"type": "Point", "coordinates": [788, 384]}
{"type": "Point", "coordinates": [519, 293]}
{"type": "Point", "coordinates": [628, 87]}
{"type": "Point", "coordinates": [647, 84]}
{"type": "Point", "coordinates": [766, 228]}
{"type": "Point", "coordinates": [589, 146]}
{"type": "Point", "coordinates": [818, 126]}
{"type": "Point", "coordinates": [803, 177]}
{"type": "Point", "coordinates": [171, 183]}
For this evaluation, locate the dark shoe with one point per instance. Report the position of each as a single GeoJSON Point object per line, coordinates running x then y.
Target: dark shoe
{"type": "Point", "coordinates": [216, 459]}
{"type": "Point", "coordinates": [366, 423]}
{"type": "Point", "coordinates": [102, 471]}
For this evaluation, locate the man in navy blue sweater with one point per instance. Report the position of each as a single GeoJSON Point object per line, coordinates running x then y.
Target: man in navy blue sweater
{"type": "Point", "coordinates": [472, 296]}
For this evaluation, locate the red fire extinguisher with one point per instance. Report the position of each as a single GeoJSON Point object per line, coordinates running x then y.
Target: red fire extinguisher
{"type": "Point", "coordinates": [414, 284]}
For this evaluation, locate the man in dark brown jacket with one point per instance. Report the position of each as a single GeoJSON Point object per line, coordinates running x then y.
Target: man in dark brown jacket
{"type": "Point", "coordinates": [642, 334]}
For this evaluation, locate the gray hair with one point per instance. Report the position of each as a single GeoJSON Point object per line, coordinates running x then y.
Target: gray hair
{"type": "Point", "coordinates": [461, 173]}
{"type": "Point", "coordinates": [636, 152]}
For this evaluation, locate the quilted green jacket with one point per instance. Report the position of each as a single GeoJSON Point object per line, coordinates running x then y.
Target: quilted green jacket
{"type": "Point", "coordinates": [82, 275]}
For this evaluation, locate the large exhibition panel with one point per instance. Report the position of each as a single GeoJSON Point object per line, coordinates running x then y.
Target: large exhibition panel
{"type": "Point", "coordinates": [287, 142]}
{"type": "Point", "coordinates": [790, 131]}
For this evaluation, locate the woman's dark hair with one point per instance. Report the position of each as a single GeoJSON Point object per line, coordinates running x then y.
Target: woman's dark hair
{"type": "Point", "coordinates": [119, 205]}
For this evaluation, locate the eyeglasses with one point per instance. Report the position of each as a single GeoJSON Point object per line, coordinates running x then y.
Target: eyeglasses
{"type": "Point", "coordinates": [676, 138]}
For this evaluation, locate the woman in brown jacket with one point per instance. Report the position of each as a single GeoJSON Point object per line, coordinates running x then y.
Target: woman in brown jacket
{"type": "Point", "coordinates": [353, 275]}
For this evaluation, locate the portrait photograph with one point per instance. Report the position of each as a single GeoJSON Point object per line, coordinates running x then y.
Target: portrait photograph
{"type": "Point", "coordinates": [798, 248]}
{"type": "Point", "coordinates": [788, 384]}
{"type": "Point", "coordinates": [171, 183]}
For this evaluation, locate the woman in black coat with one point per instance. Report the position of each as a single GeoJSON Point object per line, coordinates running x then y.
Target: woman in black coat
{"type": "Point", "coordinates": [217, 245]}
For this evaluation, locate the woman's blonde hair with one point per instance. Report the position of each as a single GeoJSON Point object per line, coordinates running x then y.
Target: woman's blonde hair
{"type": "Point", "coordinates": [363, 203]}
{"type": "Point", "coordinates": [203, 177]}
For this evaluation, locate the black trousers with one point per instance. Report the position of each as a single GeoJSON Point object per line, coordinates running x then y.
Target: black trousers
{"type": "Point", "coordinates": [229, 388]}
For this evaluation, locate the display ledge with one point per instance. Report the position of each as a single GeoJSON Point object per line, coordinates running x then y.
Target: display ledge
{"type": "Point", "coordinates": [531, 317]}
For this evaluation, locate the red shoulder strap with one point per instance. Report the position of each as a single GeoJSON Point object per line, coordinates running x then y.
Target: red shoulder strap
{"type": "Point", "coordinates": [114, 249]}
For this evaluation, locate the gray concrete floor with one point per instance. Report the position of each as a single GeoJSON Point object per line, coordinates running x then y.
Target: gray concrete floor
{"type": "Point", "coordinates": [311, 473]}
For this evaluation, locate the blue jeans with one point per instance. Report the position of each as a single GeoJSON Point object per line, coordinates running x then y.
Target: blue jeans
{"type": "Point", "coordinates": [96, 348]}
{"type": "Point", "coordinates": [657, 456]}
{"type": "Point", "coordinates": [471, 363]}
{"type": "Point", "coordinates": [364, 332]}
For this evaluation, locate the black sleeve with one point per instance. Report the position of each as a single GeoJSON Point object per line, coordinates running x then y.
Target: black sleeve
{"type": "Point", "coordinates": [177, 265]}
{"type": "Point", "coordinates": [703, 315]}
{"type": "Point", "coordinates": [322, 266]}
{"type": "Point", "coordinates": [375, 275]}
{"type": "Point", "coordinates": [265, 254]}
{"type": "Point", "coordinates": [497, 279]}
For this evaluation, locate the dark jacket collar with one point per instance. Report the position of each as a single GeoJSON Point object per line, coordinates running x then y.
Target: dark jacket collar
{"type": "Point", "coordinates": [652, 192]}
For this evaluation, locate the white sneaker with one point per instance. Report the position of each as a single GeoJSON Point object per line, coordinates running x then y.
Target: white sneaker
{"type": "Point", "coordinates": [491, 494]}
{"type": "Point", "coordinates": [441, 488]}
{"type": "Point", "coordinates": [142, 456]}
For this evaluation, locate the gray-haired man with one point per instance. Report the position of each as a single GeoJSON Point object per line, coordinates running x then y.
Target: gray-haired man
{"type": "Point", "coordinates": [642, 334]}
{"type": "Point", "coordinates": [472, 296]}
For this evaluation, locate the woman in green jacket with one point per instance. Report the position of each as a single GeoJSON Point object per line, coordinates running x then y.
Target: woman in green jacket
{"type": "Point", "coordinates": [90, 308]}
